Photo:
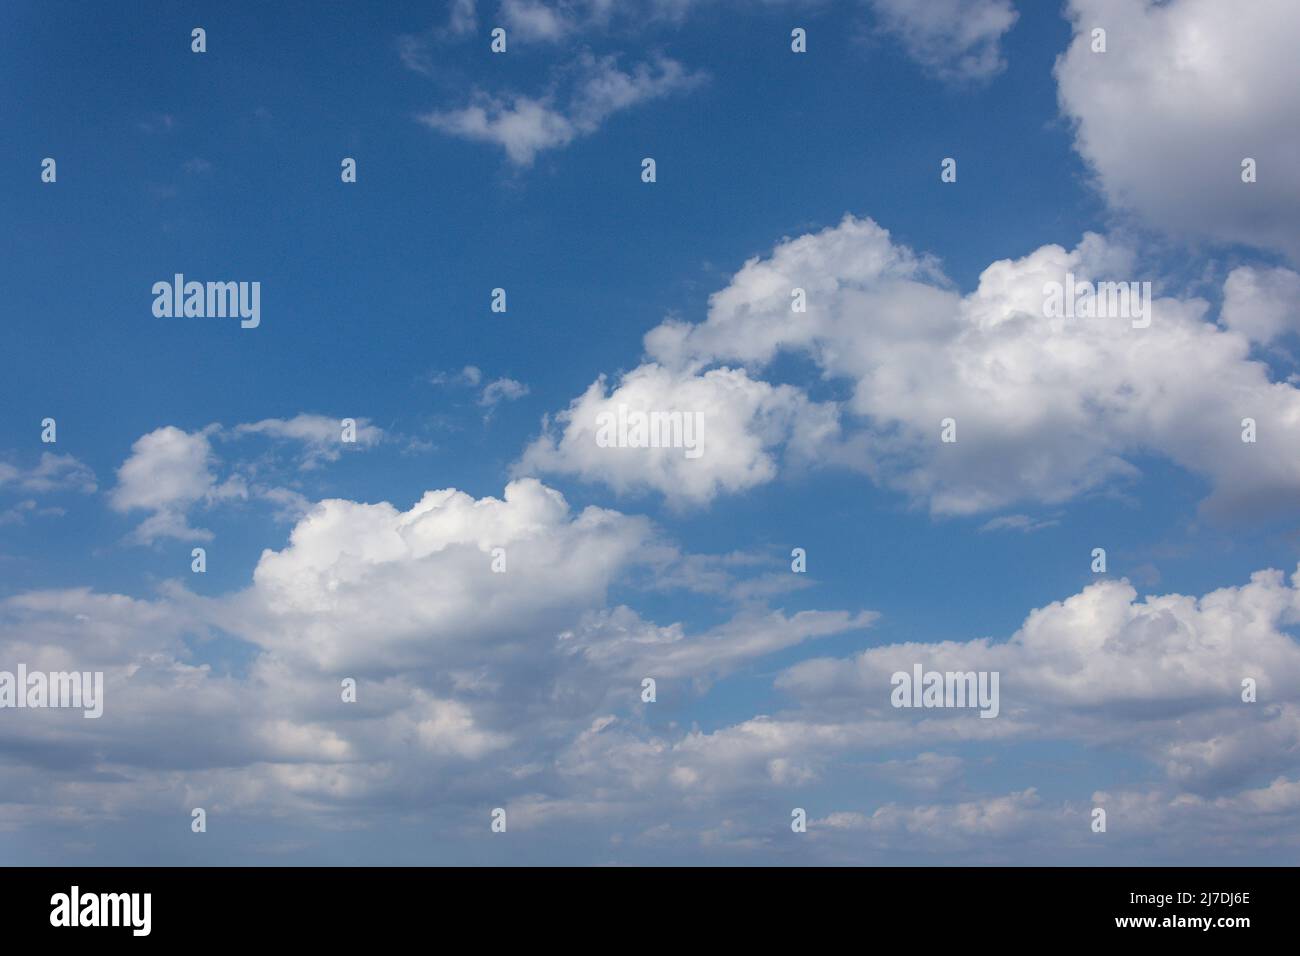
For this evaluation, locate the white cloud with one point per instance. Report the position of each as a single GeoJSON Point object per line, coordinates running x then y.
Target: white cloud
{"type": "Point", "coordinates": [510, 705]}
{"type": "Point", "coordinates": [501, 390]}
{"type": "Point", "coordinates": [457, 666]}
{"type": "Point", "coordinates": [1018, 523]}
{"type": "Point", "coordinates": [469, 375]}
{"type": "Point", "coordinates": [534, 20]}
{"type": "Point", "coordinates": [619, 640]}
{"type": "Point", "coordinates": [742, 423]}
{"type": "Point", "coordinates": [53, 473]}
{"type": "Point", "coordinates": [368, 586]}
{"type": "Point", "coordinates": [416, 51]}
{"type": "Point", "coordinates": [1046, 409]}
{"type": "Point", "coordinates": [524, 126]}
{"type": "Point", "coordinates": [321, 437]}
{"type": "Point", "coordinates": [168, 471]}
{"type": "Point", "coordinates": [1163, 675]}
{"type": "Point", "coordinates": [1184, 92]}
{"type": "Point", "coordinates": [955, 39]}
{"type": "Point", "coordinates": [1262, 304]}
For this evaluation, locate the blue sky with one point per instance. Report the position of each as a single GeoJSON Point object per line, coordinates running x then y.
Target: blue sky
{"type": "Point", "coordinates": [522, 690]}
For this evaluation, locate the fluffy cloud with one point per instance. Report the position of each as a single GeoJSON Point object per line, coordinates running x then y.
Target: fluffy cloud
{"type": "Point", "coordinates": [1262, 304]}
{"type": "Point", "coordinates": [524, 126]}
{"type": "Point", "coordinates": [740, 424]}
{"type": "Point", "coordinates": [370, 588]}
{"type": "Point", "coordinates": [1184, 92]}
{"type": "Point", "coordinates": [169, 471]}
{"type": "Point", "coordinates": [1158, 677]}
{"type": "Point", "coordinates": [512, 705]}
{"type": "Point", "coordinates": [1162, 675]}
{"type": "Point", "coordinates": [1046, 409]}
{"type": "Point", "coordinates": [457, 666]}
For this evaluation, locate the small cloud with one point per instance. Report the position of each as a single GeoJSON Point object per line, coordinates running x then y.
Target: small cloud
{"type": "Point", "coordinates": [524, 126]}
{"type": "Point", "coordinates": [20, 512]}
{"type": "Point", "coordinates": [52, 473]}
{"type": "Point", "coordinates": [168, 472]}
{"type": "Point", "coordinates": [1022, 523]}
{"type": "Point", "coordinates": [157, 123]}
{"type": "Point", "coordinates": [953, 39]}
{"type": "Point", "coordinates": [321, 437]}
{"type": "Point", "coordinates": [416, 50]}
{"type": "Point", "coordinates": [470, 375]}
{"type": "Point", "coordinates": [502, 390]}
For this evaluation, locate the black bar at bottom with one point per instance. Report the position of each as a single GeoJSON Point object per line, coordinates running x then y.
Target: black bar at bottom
{"type": "Point", "coordinates": [972, 906]}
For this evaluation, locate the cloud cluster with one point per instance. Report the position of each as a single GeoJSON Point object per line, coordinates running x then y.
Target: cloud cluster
{"type": "Point", "coordinates": [520, 688]}
{"type": "Point", "coordinates": [1045, 409]}
{"type": "Point", "coordinates": [171, 472]}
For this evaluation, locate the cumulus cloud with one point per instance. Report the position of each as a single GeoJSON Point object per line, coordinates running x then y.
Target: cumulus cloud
{"type": "Point", "coordinates": [597, 89]}
{"type": "Point", "coordinates": [1160, 678]}
{"type": "Point", "coordinates": [740, 423]}
{"type": "Point", "coordinates": [1262, 304]}
{"type": "Point", "coordinates": [457, 665]}
{"type": "Point", "coordinates": [522, 688]}
{"type": "Point", "coordinates": [1164, 675]}
{"type": "Point", "coordinates": [367, 586]}
{"type": "Point", "coordinates": [1184, 92]}
{"type": "Point", "coordinates": [170, 470]}
{"type": "Point", "coordinates": [1046, 409]}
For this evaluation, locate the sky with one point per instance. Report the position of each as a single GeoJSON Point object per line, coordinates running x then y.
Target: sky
{"type": "Point", "coordinates": [497, 582]}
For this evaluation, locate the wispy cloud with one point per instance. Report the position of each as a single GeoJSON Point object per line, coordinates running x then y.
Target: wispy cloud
{"type": "Point", "coordinates": [524, 126]}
